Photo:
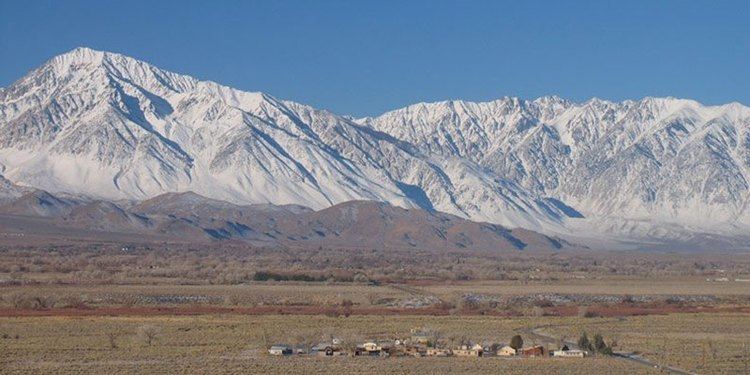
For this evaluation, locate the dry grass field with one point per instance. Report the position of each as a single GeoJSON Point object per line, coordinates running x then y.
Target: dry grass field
{"type": "Point", "coordinates": [701, 343]}
{"type": "Point", "coordinates": [235, 343]}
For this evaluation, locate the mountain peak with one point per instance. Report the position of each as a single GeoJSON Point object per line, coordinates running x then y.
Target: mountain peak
{"type": "Point", "coordinates": [79, 55]}
{"type": "Point", "coordinates": [129, 69]}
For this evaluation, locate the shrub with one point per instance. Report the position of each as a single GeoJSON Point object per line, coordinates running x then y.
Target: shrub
{"type": "Point", "coordinates": [543, 303]}
{"type": "Point", "coordinates": [583, 312]}
{"type": "Point", "coordinates": [445, 306]}
{"type": "Point", "coordinates": [470, 304]}
{"type": "Point", "coordinates": [600, 346]}
{"type": "Point", "coordinates": [37, 302]}
{"type": "Point", "coordinates": [112, 340]}
{"type": "Point", "coordinates": [583, 342]}
{"type": "Point", "coordinates": [627, 299]}
{"type": "Point", "coordinates": [73, 301]}
{"type": "Point", "coordinates": [360, 278]}
{"type": "Point", "coordinates": [266, 276]}
{"type": "Point", "coordinates": [147, 334]}
{"type": "Point", "coordinates": [537, 311]}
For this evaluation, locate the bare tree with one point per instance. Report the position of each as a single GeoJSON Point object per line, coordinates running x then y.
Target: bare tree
{"type": "Point", "coordinates": [349, 343]}
{"type": "Point", "coordinates": [112, 340]}
{"type": "Point", "coordinates": [44, 302]}
{"type": "Point", "coordinates": [267, 339]}
{"type": "Point", "coordinates": [347, 305]}
{"type": "Point", "coordinates": [147, 334]}
{"type": "Point", "coordinates": [309, 340]}
{"type": "Point", "coordinates": [18, 300]}
{"type": "Point", "coordinates": [537, 311]}
{"type": "Point", "coordinates": [712, 350]}
{"type": "Point", "coordinates": [435, 337]}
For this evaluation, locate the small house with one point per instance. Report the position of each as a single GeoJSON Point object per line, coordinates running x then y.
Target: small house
{"type": "Point", "coordinates": [327, 350]}
{"type": "Point", "coordinates": [466, 353]}
{"type": "Point", "coordinates": [437, 352]}
{"type": "Point", "coordinates": [571, 353]}
{"type": "Point", "coordinates": [490, 350]}
{"type": "Point", "coordinates": [371, 346]}
{"type": "Point", "coordinates": [507, 351]}
{"type": "Point", "coordinates": [280, 350]}
{"type": "Point", "coordinates": [534, 351]}
{"type": "Point", "coordinates": [317, 348]}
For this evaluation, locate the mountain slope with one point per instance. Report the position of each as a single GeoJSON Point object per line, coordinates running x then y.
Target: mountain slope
{"type": "Point", "coordinates": [181, 217]}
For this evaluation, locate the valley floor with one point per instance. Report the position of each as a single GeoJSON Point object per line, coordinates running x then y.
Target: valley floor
{"type": "Point", "coordinates": [119, 310]}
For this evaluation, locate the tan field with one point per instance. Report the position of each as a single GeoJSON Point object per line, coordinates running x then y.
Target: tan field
{"type": "Point", "coordinates": [701, 343]}
{"type": "Point", "coordinates": [235, 343]}
{"type": "Point", "coordinates": [705, 343]}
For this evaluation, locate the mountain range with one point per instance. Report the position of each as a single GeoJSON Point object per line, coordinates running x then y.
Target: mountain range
{"type": "Point", "coordinates": [111, 128]}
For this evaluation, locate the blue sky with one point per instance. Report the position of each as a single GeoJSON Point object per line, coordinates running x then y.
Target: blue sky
{"type": "Point", "coordinates": [366, 57]}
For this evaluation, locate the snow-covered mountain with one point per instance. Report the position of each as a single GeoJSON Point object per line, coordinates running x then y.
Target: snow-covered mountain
{"type": "Point", "coordinates": [109, 126]}
{"type": "Point", "coordinates": [657, 159]}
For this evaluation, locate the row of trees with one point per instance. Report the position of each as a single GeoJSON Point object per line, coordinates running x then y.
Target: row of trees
{"type": "Point", "coordinates": [233, 263]}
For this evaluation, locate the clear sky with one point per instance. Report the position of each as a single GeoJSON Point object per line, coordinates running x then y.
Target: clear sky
{"type": "Point", "coordinates": [364, 57]}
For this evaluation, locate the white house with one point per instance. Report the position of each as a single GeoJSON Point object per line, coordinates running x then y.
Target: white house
{"type": "Point", "coordinates": [280, 350]}
{"type": "Point", "coordinates": [371, 346]}
{"type": "Point", "coordinates": [507, 351]}
{"type": "Point", "coordinates": [570, 353]}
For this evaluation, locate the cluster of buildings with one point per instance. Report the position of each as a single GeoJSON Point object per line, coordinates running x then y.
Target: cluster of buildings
{"type": "Point", "coordinates": [421, 344]}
